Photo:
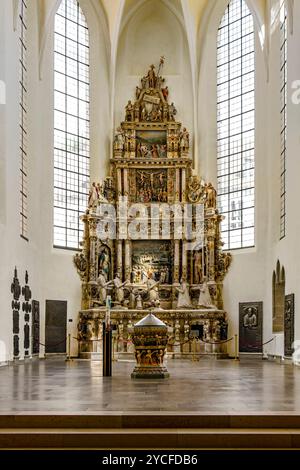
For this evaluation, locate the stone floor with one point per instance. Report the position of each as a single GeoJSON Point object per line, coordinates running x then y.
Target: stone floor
{"type": "Point", "coordinates": [224, 386]}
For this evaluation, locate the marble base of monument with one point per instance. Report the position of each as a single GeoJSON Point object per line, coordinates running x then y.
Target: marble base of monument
{"type": "Point", "coordinates": [202, 320]}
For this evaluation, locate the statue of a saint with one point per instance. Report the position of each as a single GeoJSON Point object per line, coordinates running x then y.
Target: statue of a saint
{"type": "Point", "coordinates": [211, 196]}
{"type": "Point", "coordinates": [93, 196]}
{"type": "Point", "coordinates": [195, 189]}
{"type": "Point", "coordinates": [165, 92]}
{"type": "Point", "coordinates": [172, 112]}
{"type": "Point", "coordinates": [119, 139]}
{"type": "Point", "coordinates": [184, 300]}
{"type": "Point", "coordinates": [103, 285]}
{"type": "Point", "coordinates": [119, 289]}
{"type": "Point", "coordinates": [152, 287]}
{"type": "Point", "coordinates": [198, 267]}
{"type": "Point", "coordinates": [137, 92]}
{"type": "Point", "coordinates": [151, 76]}
{"type": "Point", "coordinates": [184, 140]}
{"type": "Point", "coordinates": [129, 111]}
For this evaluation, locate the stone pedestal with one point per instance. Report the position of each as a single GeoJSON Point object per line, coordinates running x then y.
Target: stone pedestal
{"type": "Point", "coordinates": [150, 340]}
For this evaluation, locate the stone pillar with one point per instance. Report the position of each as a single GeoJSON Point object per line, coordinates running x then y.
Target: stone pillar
{"type": "Point", "coordinates": [177, 185]}
{"type": "Point", "coordinates": [176, 261]}
{"type": "Point", "coordinates": [119, 181]}
{"type": "Point", "coordinates": [125, 181]}
{"type": "Point", "coordinates": [184, 260]}
{"type": "Point", "coordinates": [183, 185]}
{"type": "Point", "coordinates": [211, 259]}
{"type": "Point", "coordinates": [127, 260]}
{"type": "Point", "coordinates": [120, 258]}
{"type": "Point", "coordinates": [93, 243]}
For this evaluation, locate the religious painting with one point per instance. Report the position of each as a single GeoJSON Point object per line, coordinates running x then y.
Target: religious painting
{"type": "Point", "coordinates": [151, 144]}
{"type": "Point", "coordinates": [152, 185]}
{"type": "Point", "coordinates": [289, 320]}
{"type": "Point", "coordinates": [104, 261]}
{"type": "Point", "coordinates": [151, 258]}
{"type": "Point", "coordinates": [251, 320]}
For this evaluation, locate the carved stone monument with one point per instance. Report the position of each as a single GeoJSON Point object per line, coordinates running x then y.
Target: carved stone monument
{"type": "Point", "coordinates": [134, 226]}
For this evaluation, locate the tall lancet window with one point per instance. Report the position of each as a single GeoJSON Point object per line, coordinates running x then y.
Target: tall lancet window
{"type": "Point", "coordinates": [235, 125]}
{"type": "Point", "coordinates": [71, 123]}
{"type": "Point", "coordinates": [283, 96]}
{"type": "Point", "coordinates": [23, 118]}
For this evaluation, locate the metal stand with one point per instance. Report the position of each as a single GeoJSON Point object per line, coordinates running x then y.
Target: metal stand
{"type": "Point", "coordinates": [107, 351]}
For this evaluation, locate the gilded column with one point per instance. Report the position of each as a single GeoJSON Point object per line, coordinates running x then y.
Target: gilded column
{"type": "Point", "coordinates": [93, 242]}
{"type": "Point", "coordinates": [183, 185]}
{"type": "Point", "coordinates": [211, 259]}
{"type": "Point", "coordinates": [127, 260]}
{"type": "Point", "coordinates": [177, 185]}
{"type": "Point", "coordinates": [125, 181]}
{"type": "Point", "coordinates": [120, 258]}
{"type": "Point", "coordinates": [119, 181]}
{"type": "Point", "coordinates": [176, 261]}
{"type": "Point", "coordinates": [184, 260]}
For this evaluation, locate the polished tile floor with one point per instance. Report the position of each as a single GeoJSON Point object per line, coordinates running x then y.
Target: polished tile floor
{"type": "Point", "coordinates": [206, 386]}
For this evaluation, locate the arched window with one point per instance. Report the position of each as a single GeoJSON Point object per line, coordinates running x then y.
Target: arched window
{"type": "Point", "coordinates": [22, 29]}
{"type": "Point", "coordinates": [235, 125]}
{"type": "Point", "coordinates": [283, 96]}
{"type": "Point", "coordinates": [71, 123]}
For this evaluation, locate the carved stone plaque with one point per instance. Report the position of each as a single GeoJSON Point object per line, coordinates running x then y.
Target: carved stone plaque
{"type": "Point", "coordinates": [35, 327]}
{"type": "Point", "coordinates": [26, 336]}
{"type": "Point", "coordinates": [16, 346]}
{"type": "Point", "coordinates": [56, 326]}
{"type": "Point", "coordinates": [251, 321]}
{"type": "Point", "coordinates": [289, 322]}
{"type": "Point", "coordinates": [16, 327]}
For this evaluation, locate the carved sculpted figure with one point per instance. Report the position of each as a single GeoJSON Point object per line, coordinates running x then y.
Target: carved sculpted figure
{"type": "Point", "coordinates": [119, 289]}
{"type": "Point", "coordinates": [204, 297]}
{"type": "Point", "coordinates": [119, 139]}
{"type": "Point", "coordinates": [195, 189]}
{"type": "Point", "coordinates": [172, 112]}
{"type": "Point", "coordinates": [152, 288]}
{"type": "Point", "coordinates": [184, 140]}
{"type": "Point", "coordinates": [151, 76]}
{"type": "Point", "coordinates": [198, 267]}
{"type": "Point", "coordinates": [93, 196]}
{"type": "Point", "coordinates": [129, 111]}
{"type": "Point", "coordinates": [211, 196]}
{"type": "Point", "coordinates": [184, 300]}
{"type": "Point", "coordinates": [103, 285]}
{"type": "Point", "coordinates": [250, 319]}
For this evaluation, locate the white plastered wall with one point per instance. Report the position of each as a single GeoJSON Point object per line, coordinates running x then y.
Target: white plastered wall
{"type": "Point", "coordinates": [51, 271]}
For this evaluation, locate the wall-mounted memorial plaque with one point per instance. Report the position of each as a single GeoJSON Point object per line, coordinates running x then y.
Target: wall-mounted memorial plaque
{"type": "Point", "coordinates": [250, 331]}
{"type": "Point", "coordinates": [289, 319]}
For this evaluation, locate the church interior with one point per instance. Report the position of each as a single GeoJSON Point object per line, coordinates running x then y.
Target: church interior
{"type": "Point", "coordinates": [148, 180]}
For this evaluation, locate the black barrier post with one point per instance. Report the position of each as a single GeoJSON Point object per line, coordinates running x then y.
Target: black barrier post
{"type": "Point", "coordinates": [107, 350]}
{"type": "Point", "coordinates": [107, 341]}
